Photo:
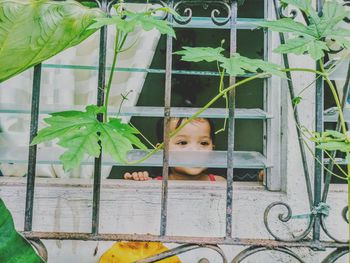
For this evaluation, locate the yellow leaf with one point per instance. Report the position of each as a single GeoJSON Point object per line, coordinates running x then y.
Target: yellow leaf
{"type": "Point", "coordinates": [128, 252]}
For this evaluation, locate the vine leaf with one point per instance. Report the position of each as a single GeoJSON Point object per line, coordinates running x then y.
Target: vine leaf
{"type": "Point", "coordinates": [313, 38]}
{"type": "Point", "coordinates": [235, 65]}
{"type": "Point", "coordinates": [33, 31]}
{"type": "Point", "coordinates": [80, 133]}
{"type": "Point", "coordinates": [13, 247]}
{"type": "Point", "coordinates": [198, 54]}
{"type": "Point", "coordinates": [331, 140]}
{"type": "Point", "coordinates": [127, 21]}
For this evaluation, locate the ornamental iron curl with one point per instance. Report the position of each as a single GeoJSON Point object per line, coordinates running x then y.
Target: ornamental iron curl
{"type": "Point", "coordinates": [345, 214]}
{"type": "Point", "coordinates": [214, 15]}
{"type": "Point", "coordinates": [335, 255]}
{"type": "Point", "coordinates": [257, 249]}
{"type": "Point", "coordinates": [285, 218]}
{"type": "Point", "coordinates": [327, 232]}
{"type": "Point", "coordinates": [182, 249]}
{"type": "Point", "coordinates": [39, 247]}
{"type": "Point", "coordinates": [282, 12]}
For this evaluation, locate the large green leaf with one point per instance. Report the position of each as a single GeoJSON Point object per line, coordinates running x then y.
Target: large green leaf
{"type": "Point", "coordinates": [80, 133]}
{"type": "Point", "coordinates": [13, 247]}
{"type": "Point", "coordinates": [127, 21]}
{"type": "Point", "coordinates": [235, 65]}
{"type": "Point", "coordinates": [197, 54]}
{"type": "Point", "coordinates": [32, 31]}
{"type": "Point", "coordinates": [312, 38]}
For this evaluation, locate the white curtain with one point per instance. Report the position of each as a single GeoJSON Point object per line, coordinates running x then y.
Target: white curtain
{"type": "Point", "coordinates": [63, 86]}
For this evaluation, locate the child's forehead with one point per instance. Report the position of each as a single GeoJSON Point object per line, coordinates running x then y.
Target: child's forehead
{"type": "Point", "coordinates": [199, 124]}
{"type": "Point", "coordinates": [179, 121]}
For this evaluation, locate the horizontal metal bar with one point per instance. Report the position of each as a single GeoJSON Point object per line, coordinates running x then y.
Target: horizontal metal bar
{"type": "Point", "coordinates": [212, 159]}
{"type": "Point", "coordinates": [179, 239]}
{"type": "Point", "coordinates": [331, 114]}
{"type": "Point", "coordinates": [207, 23]}
{"type": "Point", "coordinates": [140, 111]}
{"type": "Point", "coordinates": [142, 70]}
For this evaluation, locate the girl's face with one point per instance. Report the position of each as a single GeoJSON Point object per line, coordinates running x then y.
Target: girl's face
{"type": "Point", "coordinates": [195, 136]}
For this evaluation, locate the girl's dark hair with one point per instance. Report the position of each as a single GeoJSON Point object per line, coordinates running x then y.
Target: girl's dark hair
{"type": "Point", "coordinates": [160, 127]}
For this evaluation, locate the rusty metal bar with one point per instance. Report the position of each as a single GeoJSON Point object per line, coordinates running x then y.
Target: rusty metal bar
{"type": "Point", "coordinates": [319, 126]}
{"type": "Point", "coordinates": [100, 100]}
{"type": "Point", "coordinates": [28, 217]}
{"type": "Point", "coordinates": [166, 131]}
{"type": "Point", "coordinates": [231, 126]}
{"type": "Point", "coordinates": [179, 239]}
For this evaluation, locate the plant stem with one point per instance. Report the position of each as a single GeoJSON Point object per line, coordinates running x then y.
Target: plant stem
{"type": "Point", "coordinates": [336, 98]}
{"type": "Point", "coordinates": [194, 116]}
{"type": "Point", "coordinates": [108, 88]}
{"type": "Point", "coordinates": [118, 46]}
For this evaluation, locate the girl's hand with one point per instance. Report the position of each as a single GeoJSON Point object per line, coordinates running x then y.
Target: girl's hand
{"type": "Point", "coordinates": [137, 176]}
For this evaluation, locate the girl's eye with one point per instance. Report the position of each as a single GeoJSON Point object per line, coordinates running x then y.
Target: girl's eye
{"type": "Point", "coordinates": [181, 143]}
{"type": "Point", "coordinates": [205, 143]}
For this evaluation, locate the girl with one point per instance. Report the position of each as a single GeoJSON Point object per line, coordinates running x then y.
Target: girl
{"type": "Point", "coordinates": [198, 135]}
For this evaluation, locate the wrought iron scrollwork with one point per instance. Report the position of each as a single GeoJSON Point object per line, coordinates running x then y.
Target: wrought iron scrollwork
{"type": "Point", "coordinates": [335, 255]}
{"type": "Point", "coordinates": [256, 249]}
{"type": "Point", "coordinates": [187, 13]}
{"type": "Point", "coordinates": [282, 12]}
{"type": "Point", "coordinates": [40, 248]}
{"type": "Point", "coordinates": [328, 233]}
{"type": "Point", "coordinates": [182, 249]}
{"type": "Point", "coordinates": [285, 218]}
{"type": "Point", "coordinates": [216, 12]}
{"type": "Point", "coordinates": [345, 214]}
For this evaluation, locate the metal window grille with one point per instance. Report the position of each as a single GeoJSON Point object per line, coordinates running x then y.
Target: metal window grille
{"type": "Point", "coordinates": [316, 197]}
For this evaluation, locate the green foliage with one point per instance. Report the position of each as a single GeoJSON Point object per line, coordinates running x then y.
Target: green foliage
{"type": "Point", "coordinates": [80, 133]}
{"type": "Point", "coordinates": [235, 65]}
{"type": "Point", "coordinates": [13, 247]}
{"type": "Point", "coordinates": [32, 31]}
{"type": "Point", "coordinates": [296, 100]}
{"type": "Point", "coordinates": [315, 37]}
{"type": "Point", "coordinates": [332, 141]}
{"type": "Point", "coordinates": [127, 21]}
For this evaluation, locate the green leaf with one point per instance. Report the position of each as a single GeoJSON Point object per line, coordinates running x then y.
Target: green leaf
{"type": "Point", "coordinates": [316, 49]}
{"type": "Point", "coordinates": [33, 31]}
{"type": "Point", "coordinates": [295, 46]}
{"type": "Point", "coordinates": [80, 132]}
{"type": "Point", "coordinates": [347, 158]}
{"type": "Point", "coordinates": [288, 25]}
{"type": "Point", "coordinates": [334, 134]}
{"type": "Point", "coordinates": [332, 14]}
{"type": "Point", "coordinates": [335, 146]}
{"type": "Point", "coordinates": [13, 247]}
{"type": "Point", "coordinates": [150, 22]}
{"type": "Point", "coordinates": [197, 54]}
{"type": "Point", "coordinates": [127, 131]}
{"type": "Point", "coordinates": [127, 21]}
{"type": "Point", "coordinates": [79, 142]}
{"type": "Point", "coordinates": [306, 7]}
{"type": "Point", "coordinates": [238, 65]}
{"type": "Point", "coordinates": [296, 100]}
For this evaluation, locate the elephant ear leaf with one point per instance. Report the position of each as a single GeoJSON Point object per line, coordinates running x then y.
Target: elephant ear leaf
{"type": "Point", "coordinates": [32, 31]}
{"type": "Point", "coordinates": [13, 247]}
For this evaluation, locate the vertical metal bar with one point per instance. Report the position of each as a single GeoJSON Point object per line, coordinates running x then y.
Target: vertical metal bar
{"type": "Point", "coordinates": [28, 218]}
{"type": "Point", "coordinates": [319, 106]}
{"type": "Point", "coordinates": [100, 99]}
{"type": "Point", "coordinates": [231, 125]}
{"type": "Point", "coordinates": [167, 104]}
